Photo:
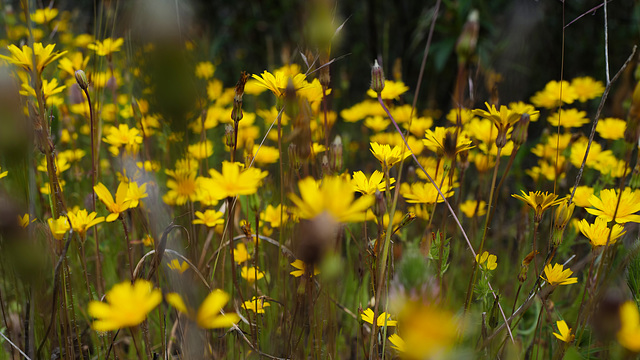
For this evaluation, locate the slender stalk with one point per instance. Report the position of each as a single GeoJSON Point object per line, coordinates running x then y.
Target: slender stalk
{"type": "Point", "coordinates": [487, 223]}
{"type": "Point", "coordinates": [127, 246]}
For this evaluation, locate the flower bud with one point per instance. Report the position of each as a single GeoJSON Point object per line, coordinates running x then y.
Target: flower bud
{"type": "Point", "coordinates": [380, 205]}
{"type": "Point", "coordinates": [634, 182]}
{"type": "Point", "coordinates": [294, 157]}
{"type": "Point", "coordinates": [336, 154]}
{"type": "Point", "coordinates": [520, 130]}
{"type": "Point", "coordinates": [501, 139]}
{"type": "Point", "coordinates": [377, 77]}
{"type": "Point", "coordinates": [236, 112]}
{"type": "Point", "coordinates": [81, 79]}
{"type": "Point", "coordinates": [229, 136]}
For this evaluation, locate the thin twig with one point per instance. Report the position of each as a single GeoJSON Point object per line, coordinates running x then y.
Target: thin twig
{"type": "Point", "coordinates": [595, 121]}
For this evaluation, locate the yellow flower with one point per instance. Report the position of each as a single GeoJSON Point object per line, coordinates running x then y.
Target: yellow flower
{"type": "Point", "coordinates": [361, 110]}
{"type": "Point", "coordinates": [582, 195]}
{"type": "Point", "coordinates": [424, 193]}
{"type": "Point", "coordinates": [265, 155]}
{"type": "Point", "coordinates": [334, 196]}
{"type": "Point", "coordinates": [59, 227]}
{"type": "Point", "coordinates": [611, 128]}
{"type": "Point", "coordinates": [210, 218]}
{"type": "Point", "coordinates": [251, 274]}
{"type": "Point", "coordinates": [445, 142]}
{"type": "Point", "coordinates": [502, 119]}
{"type": "Point", "coordinates": [233, 182]}
{"type": "Point", "coordinates": [71, 63]}
{"type": "Point", "coordinates": [554, 94]}
{"type": "Point", "coordinates": [48, 88]}
{"type": "Point", "coordinates": [278, 83]}
{"type": "Point", "coordinates": [178, 266]}
{"type": "Point", "coordinates": [569, 118]}
{"type": "Point", "coordinates": [42, 16]}
{"type": "Point", "coordinates": [397, 343]}
{"type": "Point", "coordinates": [123, 136]}
{"type": "Point", "coordinates": [465, 115]}
{"type": "Point", "coordinates": [205, 70]}
{"type": "Point", "coordinates": [565, 332]}
{"type": "Point", "coordinates": [201, 150]}
{"type": "Point", "coordinates": [3, 173]}
{"type": "Point", "coordinates": [24, 57]}
{"type": "Point", "coordinates": [524, 108]}
{"type": "Point", "coordinates": [587, 88]}
{"type": "Point", "coordinates": [470, 208]}
{"type": "Point", "coordinates": [557, 275]}
{"type": "Point", "coordinates": [427, 330]}
{"type": "Point", "coordinates": [598, 232]}
{"type": "Point", "coordinates": [369, 186]}
{"type": "Point", "coordinates": [127, 305]}
{"type": "Point", "coordinates": [629, 333]}
{"type": "Point", "coordinates": [115, 207]}
{"type": "Point", "coordinates": [135, 193]}
{"type": "Point", "coordinates": [579, 148]}
{"type": "Point", "coordinates": [419, 126]}
{"type": "Point", "coordinates": [182, 188]}
{"type": "Point", "coordinates": [388, 156]}
{"type": "Point", "coordinates": [208, 315]}
{"type": "Point", "coordinates": [538, 201]}
{"type": "Point", "coordinates": [81, 221]}
{"type": "Point", "coordinates": [272, 215]}
{"type": "Point", "coordinates": [256, 305]}
{"type": "Point", "coordinates": [24, 220]}
{"type": "Point", "coordinates": [301, 268]}
{"type": "Point", "coordinates": [147, 240]}
{"type": "Point", "coordinates": [240, 254]}
{"type": "Point", "coordinates": [392, 90]}
{"type": "Point", "coordinates": [490, 259]}
{"type": "Point", "coordinates": [384, 319]}
{"type": "Point", "coordinates": [377, 123]}
{"type": "Point", "coordinates": [107, 46]}
{"type": "Point", "coordinates": [605, 205]}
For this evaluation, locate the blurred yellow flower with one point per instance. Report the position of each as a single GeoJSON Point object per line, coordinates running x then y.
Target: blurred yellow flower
{"type": "Point", "coordinates": [183, 187]}
{"type": "Point", "coordinates": [25, 220]}
{"type": "Point", "coordinates": [233, 181]}
{"type": "Point", "coordinates": [471, 208]}
{"type": "Point", "coordinates": [251, 274]}
{"type": "Point", "coordinates": [554, 94]}
{"type": "Point", "coordinates": [123, 137]}
{"type": "Point", "coordinates": [210, 218]}
{"type": "Point", "coordinates": [611, 128]}
{"type": "Point", "coordinates": [570, 118]}
{"type": "Point", "coordinates": [335, 196]}
{"type": "Point", "coordinates": [178, 266]}
{"type": "Point", "coordinates": [629, 333]}
{"type": "Point", "coordinates": [524, 108]}
{"type": "Point", "coordinates": [205, 70]}
{"type": "Point", "coordinates": [301, 268]}
{"type": "Point", "coordinates": [135, 193]}
{"type": "Point", "coordinates": [126, 305]}
{"type": "Point", "coordinates": [256, 305]}
{"type": "Point", "coordinates": [240, 253]}
{"type": "Point", "coordinates": [3, 173]}
{"type": "Point", "coordinates": [272, 215]}
{"type": "Point", "coordinates": [107, 46]}
{"type": "Point", "coordinates": [278, 83]}
{"type": "Point", "coordinates": [397, 343]}
{"type": "Point", "coordinates": [42, 16]}
{"type": "Point", "coordinates": [392, 90]}
{"type": "Point", "coordinates": [587, 88]}
{"type": "Point", "coordinates": [425, 193]}
{"type": "Point", "coordinates": [59, 227]}
{"type": "Point", "coordinates": [201, 150]}
{"type": "Point", "coordinates": [384, 319]}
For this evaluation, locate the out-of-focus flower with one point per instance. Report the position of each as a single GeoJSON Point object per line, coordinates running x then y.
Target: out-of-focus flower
{"type": "Point", "coordinates": [107, 46]}
{"type": "Point", "coordinates": [384, 319]}
{"type": "Point", "coordinates": [177, 266]}
{"type": "Point", "coordinates": [59, 227]}
{"type": "Point", "coordinates": [126, 305]}
{"type": "Point", "coordinates": [301, 268]}
{"type": "Point", "coordinates": [606, 204]}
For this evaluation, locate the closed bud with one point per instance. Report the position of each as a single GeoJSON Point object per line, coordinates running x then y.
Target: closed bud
{"type": "Point", "coordinates": [81, 79]}
{"type": "Point", "coordinates": [563, 214]}
{"type": "Point", "coordinates": [377, 77]}
{"type": "Point", "coordinates": [501, 139]}
{"type": "Point", "coordinates": [229, 136]}
{"type": "Point", "coordinates": [520, 130]}
{"type": "Point", "coordinates": [379, 206]}
{"type": "Point", "coordinates": [336, 154]}
{"type": "Point", "coordinates": [294, 157]}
